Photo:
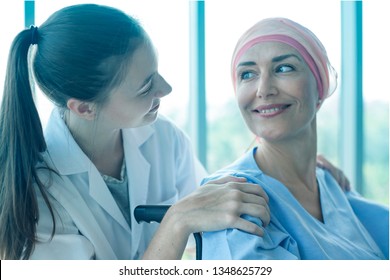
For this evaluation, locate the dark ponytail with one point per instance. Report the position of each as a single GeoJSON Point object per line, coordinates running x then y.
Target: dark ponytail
{"type": "Point", "coordinates": [83, 52]}
{"type": "Point", "coordinates": [21, 144]}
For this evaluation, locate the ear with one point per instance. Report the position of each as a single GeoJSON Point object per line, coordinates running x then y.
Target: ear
{"type": "Point", "coordinates": [83, 109]}
{"type": "Point", "coordinates": [319, 103]}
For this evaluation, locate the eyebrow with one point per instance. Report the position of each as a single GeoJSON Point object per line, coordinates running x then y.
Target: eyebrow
{"type": "Point", "coordinates": [275, 59]}
{"type": "Point", "coordinates": [285, 56]}
{"type": "Point", "coordinates": [246, 63]}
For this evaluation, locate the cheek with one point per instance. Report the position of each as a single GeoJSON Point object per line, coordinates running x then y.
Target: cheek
{"type": "Point", "coordinates": [244, 95]}
{"type": "Point", "coordinates": [306, 92]}
{"type": "Point", "coordinates": [311, 84]}
{"type": "Point", "coordinates": [121, 110]}
{"type": "Point", "coordinates": [311, 95]}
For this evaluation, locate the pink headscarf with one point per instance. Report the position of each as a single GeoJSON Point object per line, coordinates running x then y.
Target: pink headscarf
{"type": "Point", "coordinates": [286, 31]}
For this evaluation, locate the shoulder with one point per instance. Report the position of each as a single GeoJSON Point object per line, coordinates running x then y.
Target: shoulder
{"type": "Point", "coordinates": [234, 244]}
{"type": "Point", "coordinates": [52, 185]}
{"type": "Point", "coordinates": [329, 183]}
{"type": "Point", "coordinates": [166, 125]}
{"type": "Point", "coordinates": [164, 121]}
{"type": "Point", "coordinates": [161, 127]}
{"type": "Point", "coordinates": [166, 130]}
{"type": "Point", "coordinates": [162, 132]}
{"type": "Point", "coordinates": [245, 166]}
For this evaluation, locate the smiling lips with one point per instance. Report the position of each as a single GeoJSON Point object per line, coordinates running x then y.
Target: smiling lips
{"type": "Point", "coordinates": [269, 111]}
{"type": "Point", "coordinates": [155, 108]}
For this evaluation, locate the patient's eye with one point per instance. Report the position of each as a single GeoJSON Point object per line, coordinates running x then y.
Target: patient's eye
{"type": "Point", "coordinates": [284, 68]}
{"type": "Point", "coordinates": [246, 75]}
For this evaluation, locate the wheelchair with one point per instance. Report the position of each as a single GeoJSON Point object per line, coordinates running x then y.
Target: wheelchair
{"type": "Point", "coordinates": [155, 213]}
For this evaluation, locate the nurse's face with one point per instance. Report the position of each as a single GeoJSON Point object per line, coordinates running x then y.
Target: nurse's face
{"type": "Point", "coordinates": [276, 91]}
{"type": "Point", "coordinates": [136, 101]}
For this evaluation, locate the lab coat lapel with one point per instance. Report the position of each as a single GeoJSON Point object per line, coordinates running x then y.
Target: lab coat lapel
{"type": "Point", "coordinates": [75, 205]}
{"type": "Point", "coordinates": [99, 191]}
{"type": "Point", "coordinates": [138, 169]}
{"type": "Point", "coordinates": [69, 159]}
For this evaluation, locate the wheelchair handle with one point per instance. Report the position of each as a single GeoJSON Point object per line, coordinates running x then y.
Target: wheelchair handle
{"type": "Point", "coordinates": [150, 213]}
{"type": "Point", "coordinates": [155, 213]}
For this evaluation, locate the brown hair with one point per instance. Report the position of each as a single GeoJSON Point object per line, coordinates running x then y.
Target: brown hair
{"type": "Point", "coordinates": [73, 48]}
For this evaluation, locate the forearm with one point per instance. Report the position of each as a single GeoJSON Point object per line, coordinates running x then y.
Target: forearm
{"type": "Point", "coordinates": [169, 241]}
{"type": "Point", "coordinates": [219, 205]}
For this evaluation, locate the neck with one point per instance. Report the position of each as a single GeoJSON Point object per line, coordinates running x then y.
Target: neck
{"type": "Point", "coordinates": [102, 146]}
{"type": "Point", "coordinates": [292, 161]}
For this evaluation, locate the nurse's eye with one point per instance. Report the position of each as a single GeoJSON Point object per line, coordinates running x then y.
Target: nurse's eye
{"type": "Point", "coordinates": [147, 89]}
{"type": "Point", "coordinates": [246, 75]}
{"type": "Point", "coordinates": [284, 68]}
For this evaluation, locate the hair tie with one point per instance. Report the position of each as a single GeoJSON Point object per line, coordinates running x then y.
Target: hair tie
{"type": "Point", "coordinates": [34, 34]}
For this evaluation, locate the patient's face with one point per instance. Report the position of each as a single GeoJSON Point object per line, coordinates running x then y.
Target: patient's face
{"type": "Point", "coordinates": [276, 91]}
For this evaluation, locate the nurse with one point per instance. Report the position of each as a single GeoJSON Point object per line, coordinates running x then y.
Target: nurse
{"type": "Point", "coordinates": [69, 193]}
{"type": "Point", "coordinates": [281, 75]}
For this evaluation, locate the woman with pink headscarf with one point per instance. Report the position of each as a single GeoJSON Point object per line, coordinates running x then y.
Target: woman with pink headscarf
{"type": "Point", "coordinates": [281, 75]}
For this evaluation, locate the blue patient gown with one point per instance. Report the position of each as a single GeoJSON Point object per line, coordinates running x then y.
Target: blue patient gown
{"type": "Point", "coordinates": [352, 227]}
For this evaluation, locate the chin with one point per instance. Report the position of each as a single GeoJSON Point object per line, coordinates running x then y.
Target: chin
{"type": "Point", "coordinates": [269, 136]}
{"type": "Point", "coordinates": [149, 118]}
{"type": "Point", "coordinates": [140, 122]}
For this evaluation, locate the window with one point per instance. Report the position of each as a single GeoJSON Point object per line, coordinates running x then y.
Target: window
{"type": "Point", "coordinates": [167, 22]}
{"type": "Point", "coordinates": [375, 103]}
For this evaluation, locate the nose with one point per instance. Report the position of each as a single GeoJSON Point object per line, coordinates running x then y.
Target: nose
{"type": "Point", "coordinates": [265, 86]}
{"type": "Point", "coordinates": [163, 88]}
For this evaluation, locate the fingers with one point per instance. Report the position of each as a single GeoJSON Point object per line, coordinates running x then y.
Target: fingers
{"type": "Point", "coordinates": [240, 197]}
{"type": "Point", "coordinates": [239, 183]}
{"type": "Point", "coordinates": [342, 180]}
{"type": "Point", "coordinates": [227, 179]}
{"type": "Point", "coordinates": [324, 163]}
{"type": "Point", "coordinates": [237, 203]}
{"type": "Point", "coordinates": [248, 226]}
{"type": "Point", "coordinates": [340, 177]}
{"type": "Point", "coordinates": [246, 203]}
{"type": "Point", "coordinates": [258, 211]}
{"type": "Point", "coordinates": [321, 160]}
{"type": "Point", "coordinates": [220, 204]}
{"type": "Point", "coordinates": [252, 189]}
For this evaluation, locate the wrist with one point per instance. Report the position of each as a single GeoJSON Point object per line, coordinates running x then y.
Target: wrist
{"type": "Point", "coordinates": [176, 221]}
{"type": "Point", "coordinates": [170, 239]}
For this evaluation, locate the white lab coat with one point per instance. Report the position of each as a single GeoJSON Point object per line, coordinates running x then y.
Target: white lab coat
{"type": "Point", "coordinates": [161, 168]}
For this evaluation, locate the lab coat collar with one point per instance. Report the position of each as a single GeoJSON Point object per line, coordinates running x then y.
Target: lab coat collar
{"type": "Point", "coordinates": [63, 150]}
{"type": "Point", "coordinates": [138, 172]}
{"type": "Point", "coordinates": [69, 159]}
